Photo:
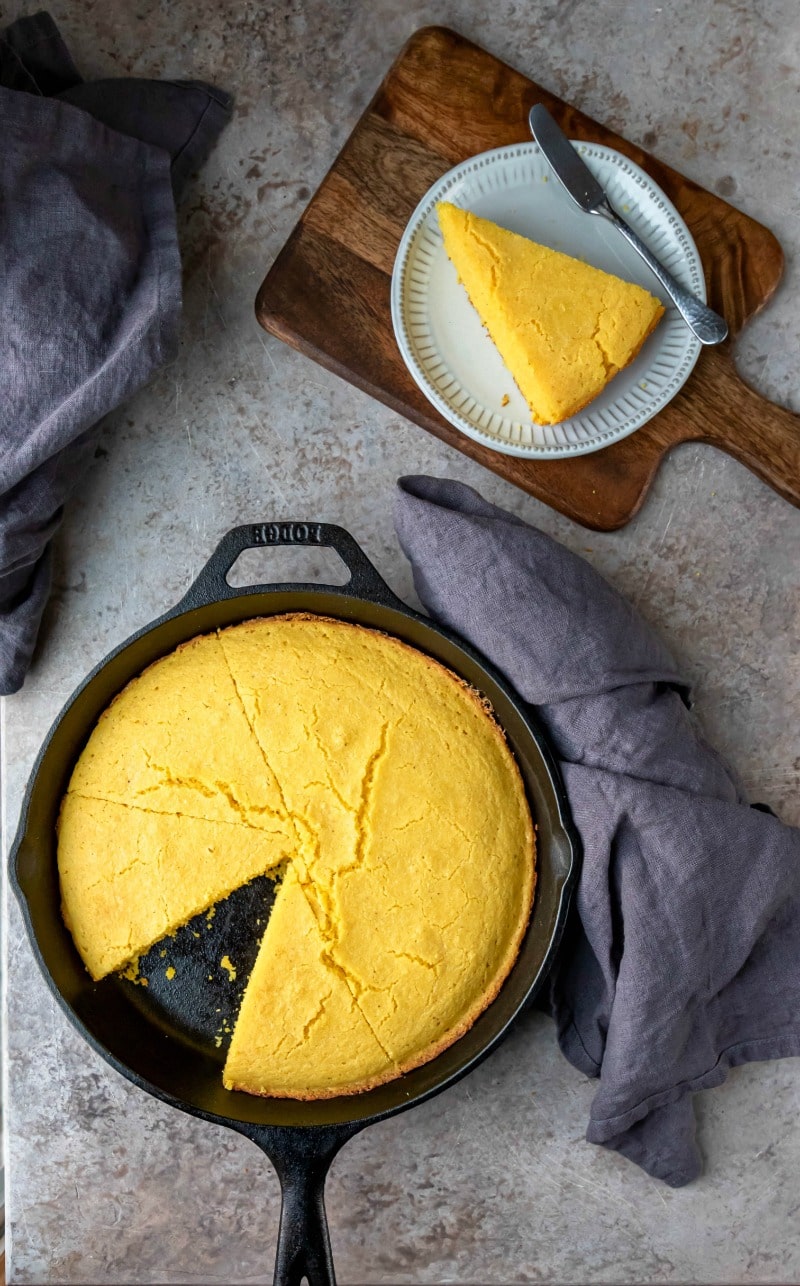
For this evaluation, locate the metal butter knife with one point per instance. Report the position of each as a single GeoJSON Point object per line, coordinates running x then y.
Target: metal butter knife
{"type": "Point", "coordinates": [587, 193]}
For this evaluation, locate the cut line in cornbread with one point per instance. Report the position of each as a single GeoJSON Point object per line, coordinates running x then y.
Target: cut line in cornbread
{"type": "Point", "coordinates": [563, 328]}
{"type": "Point", "coordinates": [374, 777]}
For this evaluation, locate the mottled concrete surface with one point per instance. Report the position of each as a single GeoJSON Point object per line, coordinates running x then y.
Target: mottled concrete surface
{"type": "Point", "coordinates": [493, 1182]}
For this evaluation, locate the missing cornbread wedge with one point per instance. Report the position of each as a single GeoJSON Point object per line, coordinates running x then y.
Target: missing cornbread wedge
{"type": "Point", "coordinates": [372, 775]}
{"type": "Point", "coordinates": [563, 328]}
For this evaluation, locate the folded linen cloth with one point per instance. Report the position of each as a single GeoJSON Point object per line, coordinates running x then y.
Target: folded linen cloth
{"type": "Point", "coordinates": [91, 298]}
{"type": "Point", "coordinates": [682, 956]}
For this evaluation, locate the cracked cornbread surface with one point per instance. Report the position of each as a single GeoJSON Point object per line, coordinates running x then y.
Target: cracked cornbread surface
{"type": "Point", "coordinates": [562, 327]}
{"type": "Point", "coordinates": [381, 779]}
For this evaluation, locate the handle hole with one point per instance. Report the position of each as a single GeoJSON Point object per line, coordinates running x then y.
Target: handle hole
{"type": "Point", "coordinates": [277, 564]}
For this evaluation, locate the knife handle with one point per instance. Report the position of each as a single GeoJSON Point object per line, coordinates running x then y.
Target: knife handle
{"type": "Point", "coordinates": [707, 325]}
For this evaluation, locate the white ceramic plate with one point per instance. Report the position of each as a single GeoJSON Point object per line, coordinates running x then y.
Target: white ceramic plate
{"type": "Point", "coordinates": [449, 353]}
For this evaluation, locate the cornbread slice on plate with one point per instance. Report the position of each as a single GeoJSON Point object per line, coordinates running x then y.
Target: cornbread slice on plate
{"type": "Point", "coordinates": [563, 328]}
{"type": "Point", "coordinates": [393, 801]}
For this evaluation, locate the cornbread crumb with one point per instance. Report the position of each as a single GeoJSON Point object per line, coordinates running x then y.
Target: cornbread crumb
{"type": "Point", "coordinates": [132, 974]}
{"type": "Point", "coordinates": [169, 972]}
{"type": "Point", "coordinates": [225, 963]}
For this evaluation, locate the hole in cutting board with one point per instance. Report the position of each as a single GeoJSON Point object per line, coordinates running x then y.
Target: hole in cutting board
{"type": "Point", "coordinates": [287, 563]}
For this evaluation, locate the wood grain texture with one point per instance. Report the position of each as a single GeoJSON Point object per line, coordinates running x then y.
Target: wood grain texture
{"type": "Point", "coordinates": [327, 294]}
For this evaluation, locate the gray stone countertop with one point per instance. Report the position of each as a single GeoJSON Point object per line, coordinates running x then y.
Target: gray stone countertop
{"type": "Point", "coordinates": [493, 1182]}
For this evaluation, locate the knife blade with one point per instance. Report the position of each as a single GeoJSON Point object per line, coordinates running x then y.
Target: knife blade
{"type": "Point", "coordinates": [578, 181]}
{"type": "Point", "coordinates": [572, 173]}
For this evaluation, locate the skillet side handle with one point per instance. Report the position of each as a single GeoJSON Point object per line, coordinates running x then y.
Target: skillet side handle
{"type": "Point", "coordinates": [302, 1157]}
{"type": "Point", "coordinates": [212, 583]}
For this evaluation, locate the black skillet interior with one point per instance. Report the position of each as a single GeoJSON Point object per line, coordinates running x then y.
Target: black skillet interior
{"type": "Point", "coordinates": [170, 1037]}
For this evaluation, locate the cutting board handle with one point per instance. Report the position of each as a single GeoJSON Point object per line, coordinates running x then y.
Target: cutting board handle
{"type": "Point", "coordinates": [732, 416]}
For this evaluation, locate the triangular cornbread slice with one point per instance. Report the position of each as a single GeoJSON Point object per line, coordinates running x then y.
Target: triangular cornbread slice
{"type": "Point", "coordinates": [562, 327]}
{"type": "Point", "coordinates": [300, 1032]}
{"type": "Point", "coordinates": [443, 876]}
{"type": "Point", "coordinates": [177, 740]}
{"type": "Point", "coordinates": [129, 877]}
{"type": "Point", "coordinates": [326, 785]}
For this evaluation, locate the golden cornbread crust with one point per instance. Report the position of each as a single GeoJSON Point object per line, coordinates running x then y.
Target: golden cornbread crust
{"type": "Point", "coordinates": [563, 328]}
{"type": "Point", "coordinates": [382, 784]}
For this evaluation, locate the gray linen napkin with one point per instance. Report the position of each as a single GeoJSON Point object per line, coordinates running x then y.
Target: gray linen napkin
{"type": "Point", "coordinates": [91, 298]}
{"type": "Point", "coordinates": [682, 957]}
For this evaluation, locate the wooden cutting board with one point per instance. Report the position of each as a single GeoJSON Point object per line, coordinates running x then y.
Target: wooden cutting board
{"type": "Point", "coordinates": [327, 294]}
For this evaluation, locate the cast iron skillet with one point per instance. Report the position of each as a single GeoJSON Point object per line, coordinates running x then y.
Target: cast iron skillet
{"type": "Point", "coordinates": [164, 1040]}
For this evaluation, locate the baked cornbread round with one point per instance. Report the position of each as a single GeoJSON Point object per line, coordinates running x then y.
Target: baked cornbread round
{"type": "Point", "coordinates": [374, 776]}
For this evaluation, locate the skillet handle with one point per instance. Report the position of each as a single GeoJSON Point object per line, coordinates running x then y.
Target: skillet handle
{"type": "Point", "coordinates": [302, 1157]}
{"type": "Point", "coordinates": [212, 585]}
